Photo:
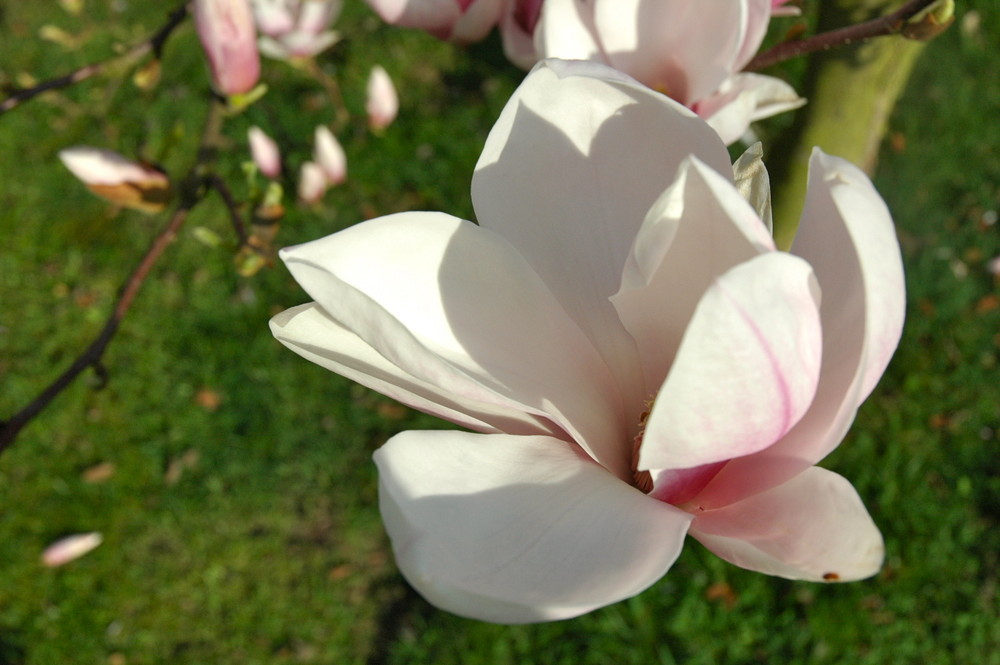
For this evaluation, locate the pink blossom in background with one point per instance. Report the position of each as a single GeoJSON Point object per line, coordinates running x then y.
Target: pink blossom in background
{"type": "Point", "coordinates": [692, 50]}
{"type": "Point", "coordinates": [118, 179]}
{"type": "Point", "coordinates": [265, 152]}
{"type": "Point", "coordinates": [70, 548]}
{"type": "Point", "coordinates": [636, 359]}
{"type": "Point", "coordinates": [381, 100]}
{"type": "Point", "coordinates": [296, 28]}
{"type": "Point", "coordinates": [227, 33]}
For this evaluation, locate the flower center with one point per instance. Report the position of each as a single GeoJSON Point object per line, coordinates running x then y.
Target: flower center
{"type": "Point", "coordinates": [642, 480]}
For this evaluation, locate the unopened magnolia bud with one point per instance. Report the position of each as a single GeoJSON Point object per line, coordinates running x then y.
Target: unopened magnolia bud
{"type": "Point", "coordinates": [382, 102]}
{"type": "Point", "coordinates": [312, 182]}
{"type": "Point", "coordinates": [69, 548]}
{"type": "Point", "coordinates": [227, 33]}
{"type": "Point", "coordinates": [329, 154]}
{"type": "Point", "coordinates": [931, 21]}
{"type": "Point", "coordinates": [117, 179]}
{"type": "Point", "coordinates": [265, 152]}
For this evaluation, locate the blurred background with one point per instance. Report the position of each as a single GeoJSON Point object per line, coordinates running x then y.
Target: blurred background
{"type": "Point", "coordinates": [232, 481]}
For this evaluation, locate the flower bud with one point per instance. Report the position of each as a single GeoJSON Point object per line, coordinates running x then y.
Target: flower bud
{"type": "Point", "coordinates": [227, 33]}
{"type": "Point", "coordinates": [382, 103]}
{"type": "Point", "coordinates": [265, 152]}
{"type": "Point", "coordinates": [329, 154]}
{"type": "Point", "coordinates": [117, 179]}
{"type": "Point", "coordinates": [312, 182]}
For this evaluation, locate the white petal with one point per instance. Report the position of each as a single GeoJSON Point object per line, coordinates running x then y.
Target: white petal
{"type": "Point", "coordinates": [685, 48]}
{"type": "Point", "coordinates": [329, 154]}
{"type": "Point", "coordinates": [746, 98]}
{"type": "Point", "coordinates": [746, 369]}
{"type": "Point", "coordinates": [697, 230]}
{"type": "Point", "coordinates": [477, 21]}
{"type": "Point", "coordinates": [69, 548]}
{"type": "Point", "coordinates": [569, 171]}
{"type": "Point", "coordinates": [313, 334]}
{"type": "Point", "coordinates": [565, 30]}
{"type": "Point", "coordinates": [456, 306]}
{"type": "Point", "coordinates": [813, 527]}
{"type": "Point", "coordinates": [519, 529]}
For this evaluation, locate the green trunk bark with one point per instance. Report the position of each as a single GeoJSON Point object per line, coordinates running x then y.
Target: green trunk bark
{"type": "Point", "coordinates": [851, 92]}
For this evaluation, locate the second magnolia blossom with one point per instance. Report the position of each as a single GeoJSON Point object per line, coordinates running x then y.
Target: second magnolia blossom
{"type": "Point", "coordinates": [692, 50]}
{"type": "Point", "coordinates": [639, 361]}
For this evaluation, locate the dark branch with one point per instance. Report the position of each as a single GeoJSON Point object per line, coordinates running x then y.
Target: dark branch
{"type": "Point", "coordinates": [219, 185]}
{"type": "Point", "coordinates": [154, 44]}
{"type": "Point", "coordinates": [890, 24]}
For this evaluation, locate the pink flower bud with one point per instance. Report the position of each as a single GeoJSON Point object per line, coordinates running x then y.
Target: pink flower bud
{"type": "Point", "coordinates": [382, 103]}
{"type": "Point", "coordinates": [69, 548]}
{"type": "Point", "coordinates": [312, 182]}
{"type": "Point", "coordinates": [265, 152]}
{"type": "Point", "coordinates": [329, 154]}
{"type": "Point", "coordinates": [226, 30]}
{"type": "Point", "coordinates": [117, 179]}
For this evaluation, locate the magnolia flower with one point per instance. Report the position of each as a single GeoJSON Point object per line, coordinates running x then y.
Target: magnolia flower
{"type": "Point", "coordinates": [381, 101]}
{"type": "Point", "coordinates": [455, 20]}
{"type": "Point", "coordinates": [295, 28]}
{"type": "Point", "coordinates": [69, 548]}
{"type": "Point", "coordinates": [265, 152]}
{"type": "Point", "coordinates": [117, 179]}
{"type": "Point", "coordinates": [638, 361]}
{"type": "Point", "coordinates": [693, 50]}
{"type": "Point", "coordinates": [226, 30]}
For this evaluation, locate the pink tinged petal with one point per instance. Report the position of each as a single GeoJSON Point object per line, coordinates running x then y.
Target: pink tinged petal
{"type": "Point", "coordinates": [312, 182]}
{"type": "Point", "coordinates": [435, 16]}
{"type": "Point", "coordinates": [228, 35]}
{"type": "Point", "coordinates": [381, 103]}
{"type": "Point", "coordinates": [518, 45]}
{"type": "Point", "coordinates": [315, 16]}
{"type": "Point", "coordinates": [519, 529]}
{"type": "Point", "coordinates": [565, 30]}
{"type": "Point", "coordinates": [316, 336]}
{"type": "Point", "coordinates": [813, 527]}
{"type": "Point", "coordinates": [69, 548]}
{"type": "Point", "coordinates": [568, 173]}
{"type": "Point", "coordinates": [329, 154]}
{"type": "Point", "coordinates": [457, 307]}
{"type": "Point", "coordinates": [273, 17]}
{"type": "Point", "coordinates": [746, 370]}
{"type": "Point", "coordinates": [757, 17]}
{"type": "Point", "coordinates": [746, 98]}
{"type": "Point", "coordinates": [265, 152]}
{"type": "Point", "coordinates": [698, 229]}
{"type": "Point", "coordinates": [478, 19]}
{"type": "Point", "coordinates": [685, 48]}
{"type": "Point", "coordinates": [848, 237]}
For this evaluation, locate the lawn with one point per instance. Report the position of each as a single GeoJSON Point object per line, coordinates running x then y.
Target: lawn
{"type": "Point", "coordinates": [232, 481]}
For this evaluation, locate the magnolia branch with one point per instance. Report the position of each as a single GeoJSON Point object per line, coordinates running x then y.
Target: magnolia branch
{"type": "Point", "coordinates": [154, 44]}
{"type": "Point", "coordinates": [192, 192]}
{"type": "Point", "coordinates": [900, 21]}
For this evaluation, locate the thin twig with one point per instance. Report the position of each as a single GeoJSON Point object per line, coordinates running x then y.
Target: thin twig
{"type": "Point", "coordinates": [219, 185]}
{"type": "Point", "coordinates": [154, 44]}
{"type": "Point", "coordinates": [192, 192]}
{"type": "Point", "coordinates": [890, 24]}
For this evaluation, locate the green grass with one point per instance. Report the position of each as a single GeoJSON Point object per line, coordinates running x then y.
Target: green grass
{"type": "Point", "coordinates": [268, 547]}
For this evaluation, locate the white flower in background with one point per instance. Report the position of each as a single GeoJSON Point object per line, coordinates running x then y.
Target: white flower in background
{"type": "Point", "coordinates": [637, 359]}
{"type": "Point", "coordinates": [381, 100]}
{"type": "Point", "coordinates": [312, 182]}
{"type": "Point", "coordinates": [692, 50]}
{"type": "Point", "coordinates": [265, 152]}
{"type": "Point", "coordinates": [296, 28]}
{"type": "Point", "coordinates": [117, 179]}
